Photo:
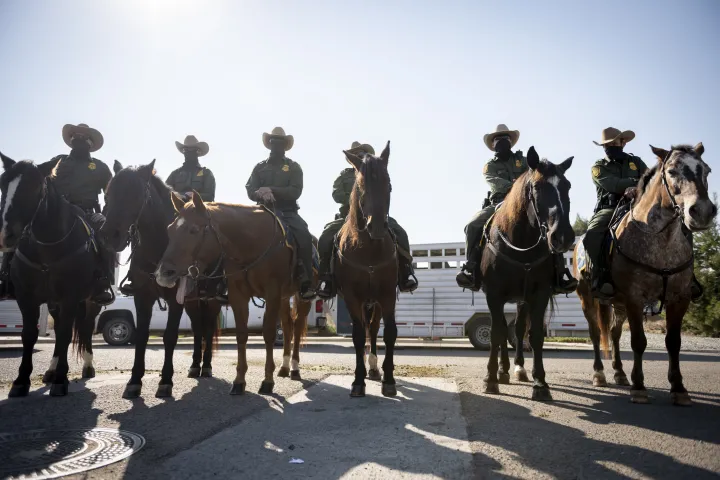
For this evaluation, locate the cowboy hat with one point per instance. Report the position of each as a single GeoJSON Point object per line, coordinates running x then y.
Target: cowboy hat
{"type": "Point", "coordinates": [358, 147]}
{"type": "Point", "coordinates": [501, 130]}
{"type": "Point", "coordinates": [278, 132]}
{"type": "Point", "coordinates": [95, 137]}
{"type": "Point", "coordinates": [611, 134]}
{"type": "Point", "coordinates": [192, 142]}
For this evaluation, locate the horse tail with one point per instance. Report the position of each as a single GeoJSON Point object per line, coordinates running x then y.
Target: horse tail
{"type": "Point", "coordinates": [604, 317]}
{"type": "Point", "coordinates": [83, 327]}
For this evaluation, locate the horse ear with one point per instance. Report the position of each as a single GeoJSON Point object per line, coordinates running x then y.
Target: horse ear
{"type": "Point", "coordinates": [117, 166]}
{"type": "Point", "coordinates": [46, 169]}
{"type": "Point", "coordinates": [353, 159]}
{"type": "Point", "coordinates": [385, 155]}
{"type": "Point", "coordinates": [177, 201]}
{"type": "Point", "coordinates": [533, 159]}
{"type": "Point", "coordinates": [147, 171]}
{"type": "Point", "coordinates": [660, 153]}
{"type": "Point", "coordinates": [7, 161]}
{"type": "Point", "coordinates": [699, 149]}
{"type": "Point", "coordinates": [197, 200]}
{"type": "Point", "coordinates": [563, 167]}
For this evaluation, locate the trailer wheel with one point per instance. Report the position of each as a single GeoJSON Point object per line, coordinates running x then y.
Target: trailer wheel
{"type": "Point", "coordinates": [479, 333]}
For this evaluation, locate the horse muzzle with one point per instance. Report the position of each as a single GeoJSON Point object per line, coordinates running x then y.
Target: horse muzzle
{"type": "Point", "coordinates": [167, 275]}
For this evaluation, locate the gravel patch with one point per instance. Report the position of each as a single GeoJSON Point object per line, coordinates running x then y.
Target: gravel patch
{"type": "Point", "coordinates": [690, 343]}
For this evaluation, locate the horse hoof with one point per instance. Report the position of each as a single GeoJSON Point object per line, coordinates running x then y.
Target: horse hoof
{"type": "Point", "coordinates": [374, 375]}
{"type": "Point", "coordinates": [206, 372]}
{"type": "Point", "coordinates": [237, 389]}
{"type": "Point", "coordinates": [599, 379]}
{"type": "Point", "coordinates": [284, 372]}
{"type": "Point", "coordinates": [542, 394]}
{"type": "Point", "coordinates": [357, 391]}
{"type": "Point", "coordinates": [504, 378]}
{"type": "Point", "coordinates": [521, 374]}
{"type": "Point", "coordinates": [492, 388]}
{"type": "Point", "coordinates": [58, 389]}
{"type": "Point", "coordinates": [389, 390]}
{"type": "Point", "coordinates": [88, 372]}
{"type": "Point", "coordinates": [681, 399]}
{"type": "Point", "coordinates": [48, 376]}
{"type": "Point", "coordinates": [622, 380]}
{"type": "Point", "coordinates": [194, 372]}
{"type": "Point", "coordinates": [639, 396]}
{"type": "Point", "coordinates": [266, 388]}
{"type": "Point", "coordinates": [132, 391]}
{"type": "Point", "coordinates": [295, 375]}
{"type": "Point", "coordinates": [164, 391]}
{"type": "Point", "coordinates": [19, 391]}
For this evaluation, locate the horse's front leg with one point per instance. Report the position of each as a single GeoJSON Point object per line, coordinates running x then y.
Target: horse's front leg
{"type": "Point", "coordinates": [674, 316]}
{"type": "Point", "coordinates": [498, 335]}
{"type": "Point", "coordinates": [638, 342]}
{"type": "Point", "coordinates": [373, 372]}
{"type": "Point", "coordinates": [389, 337]}
{"type": "Point", "coordinates": [241, 311]}
{"type": "Point", "coordinates": [504, 370]}
{"type": "Point", "coordinates": [30, 314]}
{"type": "Point", "coordinates": [541, 390]}
{"type": "Point", "coordinates": [195, 313]}
{"type": "Point", "coordinates": [170, 338]}
{"type": "Point", "coordinates": [143, 311]}
{"type": "Point", "coordinates": [88, 328]}
{"type": "Point", "coordinates": [287, 328]}
{"type": "Point", "coordinates": [616, 331]}
{"type": "Point", "coordinates": [520, 328]}
{"type": "Point", "coordinates": [54, 311]}
{"type": "Point", "coordinates": [358, 335]}
{"type": "Point", "coordinates": [299, 329]}
{"type": "Point", "coordinates": [210, 311]}
{"type": "Point", "coordinates": [270, 321]}
{"type": "Point", "coordinates": [63, 332]}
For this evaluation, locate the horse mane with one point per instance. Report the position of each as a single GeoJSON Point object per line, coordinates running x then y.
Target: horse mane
{"type": "Point", "coordinates": [645, 179]}
{"type": "Point", "coordinates": [371, 168]}
{"type": "Point", "coordinates": [515, 203]}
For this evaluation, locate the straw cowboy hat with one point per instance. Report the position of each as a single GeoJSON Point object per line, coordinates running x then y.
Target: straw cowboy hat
{"type": "Point", "coordinates": [358, 147]}
{"type": "Point", "coordinates": [278, 132]}
{"type": "Point", "coordinates": [501, 130]}
{"type": "Point", "coordinates": [611, 134]}
{"type": "Point", "coordinates": [192, 142]}
{"type": "Point", "coordinates": [82, 129]}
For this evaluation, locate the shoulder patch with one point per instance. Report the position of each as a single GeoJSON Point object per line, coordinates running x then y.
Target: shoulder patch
{"type": "Point", "coordinates": [200, 173]}
{"type": "Point", "coordinates": [595, 171]}
{"type": "Point", "coordinates": [486, 168]}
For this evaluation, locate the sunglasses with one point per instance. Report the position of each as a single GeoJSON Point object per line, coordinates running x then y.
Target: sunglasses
{"type": "Point", "coordinates": [80, 136]}
{"type": "Point", "coordinates": [189, 150]}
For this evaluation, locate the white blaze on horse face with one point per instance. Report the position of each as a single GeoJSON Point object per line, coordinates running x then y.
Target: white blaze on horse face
{"type": "Point", "coordinates": [12, 189]}
{"type": "Point", "coordinates": [180, 222]}
{"type": "Point", "coordinates": [555, 182]}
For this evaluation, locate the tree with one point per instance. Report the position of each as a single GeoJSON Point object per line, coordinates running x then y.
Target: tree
{"type": "Point", "coordinates": [580, 226]}
{"type": "Point", "coordinates": [703, 317]}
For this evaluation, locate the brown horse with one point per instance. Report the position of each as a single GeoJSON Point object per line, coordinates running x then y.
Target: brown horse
{"type": "Point", "coordinates": [257, 263]}
{"type": "Point", "coordinates": [366, 267]}
{"type": "Point", "coordinates": [651, 260]}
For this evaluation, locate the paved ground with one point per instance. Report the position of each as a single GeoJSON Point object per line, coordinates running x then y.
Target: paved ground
{"type": "Point", "coordinates": [440, 426]}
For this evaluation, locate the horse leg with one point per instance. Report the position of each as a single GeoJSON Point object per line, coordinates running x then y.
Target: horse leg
{"type": "Point", "coordinates": [170, 338]}
{"type": "Point", "coordinates": [674, 316]}
{"type": "Point", "coordinates": [63, 337]}
{"type": "Point", "coordinates": [241, 312]}
{"type": "Point", "coordinates": [638, 341]}
{"type": "Point", "coordinates": [270, 320]}
{"type": "Point", "coordinates": [299, 330]}
{"type": "Point", "coordinates": [195, 314]}
{"type": "Point", "coordinates": [520, 329]}
{"type": "Point", "coordinates": [616, 332]}
{"type": "Point", "coordinates": [498, 334]}
{"type": "Point", "coordinates": [541, 390]}
{"type": "Point", "coordinates": [389, 337]}
{"type": "Point", "coordinates": [358, 334]}
{"type": "Point", "coordinates": [31, 314]}
{"type": "Point", "coordinates": [504, 370]}
{"type": "Point", "coordinates": [593, 312]}
{"type": "Point", "coordinates": [374, 328]}
{"type": "Point", "coordinates": [50, 372]}
{"type": "Point", "coordinates": [287, 328]}
{"type": "Point", "coordinates": [143, 311]}
{"type": "Point", "coordinates": [209, 318]}
{"type": "Point", "coordinates": [87, 329]}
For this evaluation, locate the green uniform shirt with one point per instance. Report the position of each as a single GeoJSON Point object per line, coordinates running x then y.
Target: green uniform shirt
{"type": "Point", "coordinates": [501, 174]}
{"type": "Point", "coordinates": [188, 178]}
{"type": "Point", "coordinates": [614, 177]}
{"type": "Point", "coordinates": [285, 179]}
{"type": "Point", "coordinates": [342, 188]}
{"type": "Point", "coordinates": [81, 181]}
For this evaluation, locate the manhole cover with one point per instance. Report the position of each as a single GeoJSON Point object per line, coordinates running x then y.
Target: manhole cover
{"type": "Point", "coordinates": [40, 454]}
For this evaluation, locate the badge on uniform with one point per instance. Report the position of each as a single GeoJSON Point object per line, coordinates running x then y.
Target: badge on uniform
{"type": "Point", "coordinates": [286, 168]}
{"type": "Point", "coordinates": [92, 166]}
{"type": "Point", "coordinates": [596, 171]}
{"type": "Point", "coordinates": [633, 166]}
{"type": "Point", "coordinates": [200, 173]}
{"type": "Point", "coordinates": [518, 163]}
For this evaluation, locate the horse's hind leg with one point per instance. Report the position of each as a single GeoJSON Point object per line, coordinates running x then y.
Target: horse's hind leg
{"type": "Point", "coordinates": [195, 313]}
{"type": "Point", "coordinates": [616, 332]}
{"type": "Point", "coordinates": [674, 316]}
{"type": "Point", "coordinates": [30, 332]}
{"type": "Point", "coordinates": [287, 328]}
{"type": "Point", "coordinates": [638, 341]}
{"type": "Point", "coordinates": [498, 335]}
{"type": "Point", "coordinates": [299, 330]}
{"type": "Point", "coordinates": [520, 330]}
{"type": "Point", "coordinates": [541, 390]}
{"type": "Point", "coordinates": [374, 328]}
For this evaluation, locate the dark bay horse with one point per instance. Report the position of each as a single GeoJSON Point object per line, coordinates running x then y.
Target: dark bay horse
{"type": "Point", "coordinates": [651, 261]}
{"type": "Point", "coordinates": [366, 268]}
{"type": "Point", "coordinates": [532, 223]}
{"type": "Point", "coordinates": [138, 211]}
{"type": "Point", "coordinates": [257, 263]}
{"type": "Point", "coordinates": [55, 262]}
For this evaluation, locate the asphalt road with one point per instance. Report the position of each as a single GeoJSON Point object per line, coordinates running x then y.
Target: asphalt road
{"type": "Point", "coordinates": [441, 425]}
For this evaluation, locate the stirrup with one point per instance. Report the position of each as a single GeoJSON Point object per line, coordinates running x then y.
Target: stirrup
{"type": "Point", "coordinates": [409, 284]}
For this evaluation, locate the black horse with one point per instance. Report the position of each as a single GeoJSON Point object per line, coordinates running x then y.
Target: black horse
{"type": "Point", "coordinates": [56, 262]}
{"type": "Point", "coordinates": [532, 223]}
{"type": "Point", "coordinates": [138, 210]}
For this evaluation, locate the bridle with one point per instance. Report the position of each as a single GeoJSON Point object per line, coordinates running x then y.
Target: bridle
{"type": "Point", "coordinates": [678, 213]}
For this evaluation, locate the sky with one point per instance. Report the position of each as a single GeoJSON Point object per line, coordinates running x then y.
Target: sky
{"type": "Point", "coordinates": [431, 77]}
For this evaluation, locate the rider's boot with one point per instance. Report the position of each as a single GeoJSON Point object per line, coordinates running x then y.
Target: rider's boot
{"type": "Point", "coordinates": [307, 292]}
{"type": "Point", "coordinates": [469, 277]}
{"type": "Point", "coordinates": [103, 294]}
{"type": "Point", "coordinates": [326, 287]}
{"type": "Point", "coordinates": [127, 289]}
{"type": "Point", "coordinates": [222, 291]}
{"type": "Point", "coordinates": [564, 283]}
{"type": "Point", "coordinates": [601, 284]}
{"type": "Point", "coordinates": [407, 282]}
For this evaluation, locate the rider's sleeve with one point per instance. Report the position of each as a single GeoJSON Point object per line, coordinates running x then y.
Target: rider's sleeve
{"type": "Point", "coordinates": [252, 185]}
{"type": "Point", "coordinates": [208, 193]}
{"type": "Point", "coordinates": [295, 185]}
{"type": "Point", "coordinates": [497, 184]}
{"type": "Point", "coordinates": [609, 181]}
{"type": "Point", "coordinates": [339, 194]}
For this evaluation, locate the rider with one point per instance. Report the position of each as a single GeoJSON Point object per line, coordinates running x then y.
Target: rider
{"type": "Point", "coordinates": [341, 194]}
{"type": "Point", "coordinates": [190, 176]}
{"type": "Point", "coordinates": [615, 176]}
{"type": "Point", "coordinates": [500, 173]}
{"type": "Point", "coordinates": [80, 178]}
{"type": "Point", "coordinates": [277, 183]}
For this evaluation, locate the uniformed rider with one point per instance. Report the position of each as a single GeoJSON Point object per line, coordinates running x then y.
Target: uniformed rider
{"type": "Point", "coordinates": [500, 174]}
{"type": "Point", "coordinates": [342, 188]}
{"type": "Point", "coordinates": [278, 183]}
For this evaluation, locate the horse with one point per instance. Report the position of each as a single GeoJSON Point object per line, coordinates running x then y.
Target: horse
{"type": "Point", "coordinates": [258, 262]}
{"type": "Point", "coordinates": [651, 260]}
{"type": "Point", "coordinates": [55, 262]}
{"type": "Point", "coordinates": [138, 211]}
{"type": "Point", "coordinates": [532, 223]}
{"type": "Point", "coordinates": [366, 268]}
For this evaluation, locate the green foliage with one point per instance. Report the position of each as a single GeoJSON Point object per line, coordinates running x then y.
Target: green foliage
{"type": "Point", "coordinates": [703, 317]}
{"type": "Point", "coordinates": [580, 226]}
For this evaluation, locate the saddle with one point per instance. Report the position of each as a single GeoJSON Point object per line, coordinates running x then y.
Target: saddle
{"type": "Point", "coordinates": [583, 262]}
{"type": "Point", "coordinates": [291, 243]}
